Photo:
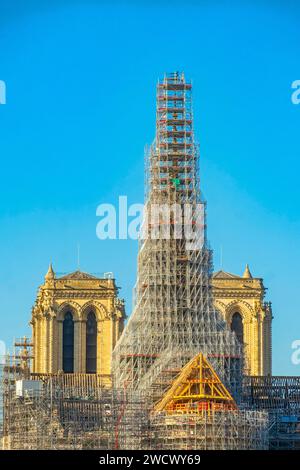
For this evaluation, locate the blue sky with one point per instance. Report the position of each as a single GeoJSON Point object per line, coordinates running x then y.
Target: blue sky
{"type": "Point", "coordinates": [81, 78]}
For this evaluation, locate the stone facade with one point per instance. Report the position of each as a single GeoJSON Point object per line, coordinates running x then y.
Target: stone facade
{"type": "Point", "coordinates": [240, 299]}
{"type": "Point", "coordinates": [78, 294]}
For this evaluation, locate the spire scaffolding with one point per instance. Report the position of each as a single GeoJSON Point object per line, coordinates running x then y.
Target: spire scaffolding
{"type": "Point", "coordinates": [174, 319]}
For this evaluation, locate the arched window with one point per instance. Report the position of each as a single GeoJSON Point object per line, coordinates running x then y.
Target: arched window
{"type": "Point", "coordinates": [68, 343]}
{"type": "Point", "coordinates": [237, 326]}
{"type": "Point", "coordinates": [91, 344]}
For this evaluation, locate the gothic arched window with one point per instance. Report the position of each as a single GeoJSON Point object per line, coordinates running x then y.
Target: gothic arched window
{"type": "Point", "coordinates": [68, 343]}
{"type": "Point", "coordinates": [237, 326]}
{"type": "Point", "coordinates": [91, 344]}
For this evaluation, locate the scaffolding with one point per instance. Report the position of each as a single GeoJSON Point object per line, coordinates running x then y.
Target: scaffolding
{"type": "Point", "coordinates": [280, 397]}
{"type": "Point", "coordinates": [1, 404]}
{"type": "Point", "coordinates": [77, 411]}
{"type": "Point", "coordinates": [177, 368]}
{"type": "Point", "coordinates": [198, 412]}
{"type": "Point", "coordinates": [235, 430]}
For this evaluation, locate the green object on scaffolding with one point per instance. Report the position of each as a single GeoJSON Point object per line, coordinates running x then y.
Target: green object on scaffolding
{"type": "Point", "coordinates": [176, 182]}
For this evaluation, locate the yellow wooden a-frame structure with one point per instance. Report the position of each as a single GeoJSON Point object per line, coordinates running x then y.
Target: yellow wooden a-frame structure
{"type": "Point", "coordinates": [195, 389]}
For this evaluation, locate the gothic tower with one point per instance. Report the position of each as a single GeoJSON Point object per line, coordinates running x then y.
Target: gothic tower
{"type": "Point", "coordinates": [76, 322]}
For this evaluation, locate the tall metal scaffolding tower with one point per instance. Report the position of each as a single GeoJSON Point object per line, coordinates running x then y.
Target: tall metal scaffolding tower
{"type": "Point", "coordinates": [174, 318]}
{"type": "Point", "coordinates": [280, 397]}
{"type": "Point", "coordinates": [177, 368]}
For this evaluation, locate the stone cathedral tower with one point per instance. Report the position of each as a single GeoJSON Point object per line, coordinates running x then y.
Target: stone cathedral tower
{"type": "Point", "coordinates": [76, 322]}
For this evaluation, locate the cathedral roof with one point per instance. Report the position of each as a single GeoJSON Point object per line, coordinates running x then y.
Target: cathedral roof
{"type": "Point", "coordinates": [79, 275]}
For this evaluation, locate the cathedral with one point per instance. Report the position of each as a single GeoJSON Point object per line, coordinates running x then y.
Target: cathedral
{"type": "Point", "coordinates": [76, 322]}
{"type": "Point", "coordinates": [78, 318]}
